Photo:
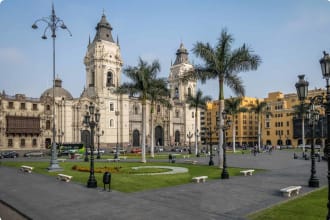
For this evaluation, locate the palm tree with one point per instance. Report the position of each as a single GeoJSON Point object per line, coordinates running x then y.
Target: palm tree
{"type": "Point", "coordinates": [300, 111]}
{"type": "Point", "coordinates": [224, 64]}
{"type": "Point", "coordinates": [233, 107]}
{"type": "Point", "coordinates": [259, 108]}
{"type": "Point", "coordinates": [143, 77]}
{"type": "Point", "coordinates": [198, 101]}
{"type": "Point", "coordinates": [159, 94]}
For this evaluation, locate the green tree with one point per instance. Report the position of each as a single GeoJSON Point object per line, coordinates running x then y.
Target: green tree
{"type": "Point", "coordinates": [197, 102]}
{"type": "Point", "coordinates": [259, 108]}
{"type": "Point", "coordinates": [224, 64]}
{"type": "Point", "coordinates": [158, 94]}
{"type": "Point", "coordinates": [233, 107]}
{"type": "Point", "coordinates": [143, 77]}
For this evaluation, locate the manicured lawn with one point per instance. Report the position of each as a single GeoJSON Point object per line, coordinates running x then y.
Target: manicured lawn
{"type": "Point", "coordinates": [309, 207]}
{"type": "Point", "coordinates": [125, 181]}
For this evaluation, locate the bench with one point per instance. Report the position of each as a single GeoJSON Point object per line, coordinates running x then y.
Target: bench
{"type": "Point", "coordinates": [198, 178]}
{"type": "Point", "coordinates": [186, 156]}
{"type": "Point", "coordinates": [113, 160]}
{"type": "Point", "coordinates": [290, 190]}
{"type": "Point", "coordinates": [61, 160]}
{"type": "Point", "coordinates": [27, 169]}
{"type": "Point", "coordinates": [122, 157]}
{"type": "Point", "coordinates": [247, 172]}
{"type": "Point", "coordinates": [191, 161]}
{"type": "Point", "coordinates": [64, 177]}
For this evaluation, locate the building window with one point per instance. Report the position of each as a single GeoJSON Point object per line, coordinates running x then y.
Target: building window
{"type": "Point", "coordinates": [22, 106]}
{"type": "Point", "coordinates": [10, 105]}
{"type": "Point", "coordinates": [176, 95]}
{"type": "Point", "coordinates": [111, 124]}
{"type": "Point", "coordinates": [192, 114]}
{"type": "Point", "coordinates": [177, 113]}
{"type": "Point", "coordinates": [47, 125]}
{"type": "Point", "coordinates": [22, 142]}
{"type": "Point", "coordinates": [158, 108]}
{"type": "Point", "coordinates": [268, 133]}
{"type": "Point", "coordinates": [48, 107]}
{"type": "Point", "coordinates": [189, 91]}
{"type": "Point", "coordinates": [10, 142]}
{"type": "Point", "coordinates": [110, 79]}
{"type": "Point", "coordinates": [34, 107]}
{"type": "Point", "coordinates": [34, 142]}
{"type": "Point", "coordinates": [112, 108]}
{"type": "Point", "coordinates": [136, 109]}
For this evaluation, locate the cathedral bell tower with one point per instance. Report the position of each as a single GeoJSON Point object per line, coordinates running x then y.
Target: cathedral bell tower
{"type": "Point", "coordinates": [102, 61]}
{"type": "Point", "coordinates": [180, 90]}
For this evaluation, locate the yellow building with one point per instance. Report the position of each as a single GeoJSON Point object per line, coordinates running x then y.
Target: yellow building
{"type": "Point", "coordinates": [277, 126]}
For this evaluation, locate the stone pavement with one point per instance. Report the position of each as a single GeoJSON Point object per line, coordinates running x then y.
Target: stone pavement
{"type": "Point", "coordinates": [43, 197]}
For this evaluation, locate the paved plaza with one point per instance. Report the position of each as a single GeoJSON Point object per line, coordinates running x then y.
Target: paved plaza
{"type": "Point", "coordinates": [43, 197]}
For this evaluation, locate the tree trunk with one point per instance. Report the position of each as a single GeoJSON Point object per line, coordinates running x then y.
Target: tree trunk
{"type": "Point", "coordinates": [196, 132]}
{"type": "Point", "coordinates": [234, 136]}
{"type": "Point", "coordinates": [152, 141]}
{"type": "Point", "coordinates": [143, 153]}
{"type": "Point", "coordinates": [221, 123]}
{"type": "Point", "coordinates": [259, 131]}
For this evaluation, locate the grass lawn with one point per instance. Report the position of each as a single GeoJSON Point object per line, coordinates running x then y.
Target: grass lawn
{"type": "Point", "coordinates": [124, 179]}
{"type": "Point", "coordinates": [310, 207]}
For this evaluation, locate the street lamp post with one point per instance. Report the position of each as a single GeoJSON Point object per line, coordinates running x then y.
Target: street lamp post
{"type": "Point", "coordinates": [189, 136]}
{"type": "Point", "coordinates": [225, 174]}
{"type": "Point", "coordinates": [325, 67]}
{"type": "Point", "coordinates": [211, 163]}
{"type": "Point", "coordinates": [92, 119]}
{"type": "Point", "coordinates": [302, 91]}
{"type": "Point", "coordinates": [117, 144]}
{"type": "Point", "coordinates": [313, 118]}
{"type": "Point", "coordinates": [98, 142]}
{"type": "Point", "coordinates": [52, 23]}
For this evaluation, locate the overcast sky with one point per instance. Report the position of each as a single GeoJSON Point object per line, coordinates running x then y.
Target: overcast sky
{"type": "Point", "coordinates": [289, 35]}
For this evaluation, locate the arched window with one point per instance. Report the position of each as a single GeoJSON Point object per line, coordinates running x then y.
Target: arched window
{"type": "Point", "coordinates": [136, 109]}
{"type": "Point", "coordinates": [176, 95]}
{"type": "Point", "coordinates": [189, 91]}
{"type": "Point", "coordinates": [92, 82]}
{"type": "Point", "coordinates": [109, 79]}
{"type": "Point", "coordinates": [111, 123]}
{"type": "Point", "coordinates": [158, 108]}
{"type": "Point", "coordinates": [48, 107]}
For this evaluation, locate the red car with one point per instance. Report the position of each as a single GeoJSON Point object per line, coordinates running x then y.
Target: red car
{"type": "Point", "coordinates": [136, 150]}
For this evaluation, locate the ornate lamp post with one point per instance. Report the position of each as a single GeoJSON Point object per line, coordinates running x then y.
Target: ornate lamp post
{"type": "Point", "coordinates": [313, 116]}
{"type": "Point", "coordinates": [52, 23]}
{"type": "Point", "coordinates": [92, 119]}
{"type": "Point", "coordinates": [225, 174]}
{"type": "Point", "coordinates": [117, 144]}
{"type": "Point", "coordinates": [98, 134]}
{"type": "Point", "coordinates": [325, 66]}
{"type": "Point", "coordinates": [302, 92]}
{"type": "Point", "coordinates": [189, 136]}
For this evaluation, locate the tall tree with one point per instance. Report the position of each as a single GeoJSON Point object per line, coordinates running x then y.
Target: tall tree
{"type": "Point", "coordinates": [198, 101]}
{"type": "Point", "coordinates": [233, 107]}
{"type": "Point", "coordinates": [224, 64]}
{"type": "Point", "coordinates": [301, 111]}
{"type": "Point", "coordinates": [142, 78]}
{"type": "Point", "coordinates": [259, 108]}
{"type": "Point", "coordinates": [158, 94]}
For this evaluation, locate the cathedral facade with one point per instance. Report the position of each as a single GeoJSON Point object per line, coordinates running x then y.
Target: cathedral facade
{"type": "Point", "coordinates": [27, 123]}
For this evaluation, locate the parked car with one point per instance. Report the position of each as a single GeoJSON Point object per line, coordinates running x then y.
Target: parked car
{"type": "Point", "coordinates": [9, 154]}
{"type": "Point", "coordinates": [136, 150]}
{"type": "Point", "coordinates": [34, 154]}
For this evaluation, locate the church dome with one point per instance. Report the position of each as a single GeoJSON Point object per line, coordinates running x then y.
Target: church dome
{"type": "Point", "coordinates": [58, 90]}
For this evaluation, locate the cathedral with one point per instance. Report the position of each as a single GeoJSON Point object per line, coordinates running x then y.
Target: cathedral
{"type": "Point", "coordinates": [27, 123]}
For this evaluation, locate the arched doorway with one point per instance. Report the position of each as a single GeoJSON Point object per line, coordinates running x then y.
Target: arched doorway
{"type": "Point", "coordinates": [159, 134]}
{"type": "Point", "coordinates": [48, 143]}
{"type": "Point", "coordinates": [85, 138]}
{"type": "Point", "coordinates": [177, 137]}
{"type": "Point", "coordinates": [268, 142]}
{"type": "Point", "coordinates": [136, 138]}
